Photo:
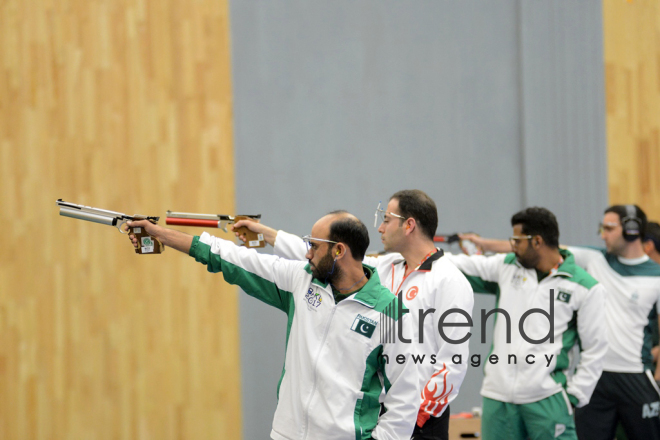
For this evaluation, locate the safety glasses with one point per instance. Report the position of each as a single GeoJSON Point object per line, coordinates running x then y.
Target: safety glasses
{"type": "Point", "coordinates": [308, 238]}
{"type": "Point", "coordinates": [516, 239]}
{"type": "Point", "coordinates": [380, 215]}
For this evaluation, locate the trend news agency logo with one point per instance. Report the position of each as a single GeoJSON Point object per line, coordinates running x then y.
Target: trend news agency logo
{"type": "Point", "coordinates": [391, 329]}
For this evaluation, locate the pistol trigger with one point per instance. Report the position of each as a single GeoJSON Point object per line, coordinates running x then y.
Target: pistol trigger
{"type": "Point", "coordinates": [120, 224]}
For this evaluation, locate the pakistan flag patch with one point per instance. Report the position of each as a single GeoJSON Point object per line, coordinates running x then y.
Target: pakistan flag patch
{"type": "Point", "coordinates": [364, 326]}
{"type": "Point", "coordinates": [563, 296]}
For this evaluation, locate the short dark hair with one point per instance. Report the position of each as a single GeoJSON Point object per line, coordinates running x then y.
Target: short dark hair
{"type": "Point", "coordinates": [538, 221]}
{"type": "Point", "coordinates": [418, 205]}
{"type": "Point", "coordinates": [622, 212]}
{"type": "Point", "coordinates": [350, 231]}
{"type": "Point", "coordinates": [652, 233]}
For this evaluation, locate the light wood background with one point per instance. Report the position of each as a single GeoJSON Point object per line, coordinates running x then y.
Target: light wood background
{"type": "Point", "coordinates": [632, 78]}
{"type": "Point", "coordinates": [123, 105]}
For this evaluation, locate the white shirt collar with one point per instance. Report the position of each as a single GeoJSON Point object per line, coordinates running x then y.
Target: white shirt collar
{"type": "Point", "coordinates": [633, 261]}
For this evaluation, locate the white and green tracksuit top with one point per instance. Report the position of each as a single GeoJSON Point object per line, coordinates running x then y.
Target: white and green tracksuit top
{"type": "Point", "coordinates": [435, 285]}
{"type": "Point", "coordinates": [633, 290]}
{"type": "Point", "coordinates": [335, 364]}
{"type": "Point", "coordinates": [577, 303]}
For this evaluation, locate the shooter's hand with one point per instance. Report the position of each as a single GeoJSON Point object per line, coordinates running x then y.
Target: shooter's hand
{"type": "Point", "coordinates": [269, 233]}
{"type": "Point", "coordinates": [149, 227]}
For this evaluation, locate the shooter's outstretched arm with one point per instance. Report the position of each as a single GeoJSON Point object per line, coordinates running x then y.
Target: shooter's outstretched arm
{"type": "Point", "coordinates": [169, 237]}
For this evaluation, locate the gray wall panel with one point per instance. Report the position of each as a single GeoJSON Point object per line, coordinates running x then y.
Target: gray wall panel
{"type": "Point", "coordinates": [564, 114]}
{"type": "Point", "coordinates": [340, 104]}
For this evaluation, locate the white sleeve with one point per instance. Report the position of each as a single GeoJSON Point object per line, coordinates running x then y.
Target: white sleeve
{"type": "Point", "coordinates": [482, 272]}
{"type": "Point", "coordinates": [266, 277]}
{"type": "Point", "coordinates": [289, 246]}
{"type": "Point", "coordinates": [593, 340]}
{"type": "Point", "coordinates": [584, 256]}
{"type": "Point", "coordinates": [402, 397]}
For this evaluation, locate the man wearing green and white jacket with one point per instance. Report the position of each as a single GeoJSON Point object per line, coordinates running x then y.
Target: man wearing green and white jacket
{"type": "Point", "coordinates": [335, 364]}
{"type": "Point", "coordinates": [546, 304]}
{"type": "Point", "coordinates": [626, 392]}
{"type": "Point", "coordinates": [427, 284]}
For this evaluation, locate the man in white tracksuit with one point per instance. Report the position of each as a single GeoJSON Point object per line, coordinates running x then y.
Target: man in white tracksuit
{"type": "Point", "coordinates": [546, 304]}
{"type": "Point", "coordinates": [429, 286]}
{"type": "Point", "coordinates": [335, 365]}
{"type": "Point", "coordinates": [626, 392]}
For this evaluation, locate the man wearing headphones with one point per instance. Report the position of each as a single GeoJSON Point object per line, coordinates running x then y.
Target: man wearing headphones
{"type": "Point", "coordinates": [626, 391]}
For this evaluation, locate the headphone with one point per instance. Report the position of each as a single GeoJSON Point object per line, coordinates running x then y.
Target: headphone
{"type": "Point", "coordinates": [631, 224]}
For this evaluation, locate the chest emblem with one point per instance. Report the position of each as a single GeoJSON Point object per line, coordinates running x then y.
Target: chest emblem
{"type": "Point", "coordinates": [364, 326]}
{"type": "Point", "coordinates": [313, 299]}
{"type": "Point", "coordinates": [412, 293]}
{"type": "Point", "coordinates": [518, 280]}
{"type": "Point", "coordinates": [634, 298]}
{"type": "Point", "coordinates": [564, 296]}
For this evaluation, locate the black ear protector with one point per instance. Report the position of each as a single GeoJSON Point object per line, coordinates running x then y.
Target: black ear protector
{"type": "Point", "coordinates": [631, 224]}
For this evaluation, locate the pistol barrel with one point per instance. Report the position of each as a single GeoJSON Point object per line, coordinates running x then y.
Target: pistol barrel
{"type": "Point", "coordinates": [192, 222]}
{"type": "Point", "coordinates": [190, 215]}
{"type": "Point", "coordinates": [89, 209]}
{"type": "Point", "coordinates": [88, 216]}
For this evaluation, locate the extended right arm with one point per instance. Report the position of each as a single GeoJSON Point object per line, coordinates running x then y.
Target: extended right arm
{"type": "Point", "coordinates": [169, 237]}
{"type": "Point", "coordinates": [482, 272]}
{"type": "Point", "coordinates": [488, 244]}
{"type": "Point", "coordinates": [290, 246]}
{"type": "Point", "coordinates": [265, 277]}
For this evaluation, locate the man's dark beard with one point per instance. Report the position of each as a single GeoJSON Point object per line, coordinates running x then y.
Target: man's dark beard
{"type": "Point", "coordinates": [529, 260]}
{"type": "Point", "coordinates": [326, 271]}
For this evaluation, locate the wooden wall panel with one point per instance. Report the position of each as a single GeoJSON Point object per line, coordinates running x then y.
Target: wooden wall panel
{"type": "Point", "coordinates": [632, 77]}
{"type": "Point", "coordinates": [123, 105]}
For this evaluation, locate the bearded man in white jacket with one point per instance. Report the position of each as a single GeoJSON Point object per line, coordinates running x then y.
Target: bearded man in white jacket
{"type": "Point", "coordinates": [437, 294]}
{"type": "Point", "coordinates": [336, 366]}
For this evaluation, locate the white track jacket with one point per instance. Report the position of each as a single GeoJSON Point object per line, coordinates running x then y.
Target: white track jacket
{"type": "Point", "coordinates": [633, 289]}
{"type": "Point", "coordinates": [541, 369]}
{"type": "Point", "coordinates": [335, 364]}
{"type": "Point", "coordinates": [433, 288]}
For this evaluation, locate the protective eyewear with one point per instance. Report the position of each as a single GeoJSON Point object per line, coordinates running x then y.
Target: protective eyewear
{"type": "Point", "coordinates": [308, 238]}
{"type": "Point", "coordinates": [516, 239]}
{"type": "Point", "coordinates": [380, 215]}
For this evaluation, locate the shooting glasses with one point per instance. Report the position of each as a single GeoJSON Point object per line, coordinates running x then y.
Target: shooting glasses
{"type": "Point", "coordinates": [380, 215]}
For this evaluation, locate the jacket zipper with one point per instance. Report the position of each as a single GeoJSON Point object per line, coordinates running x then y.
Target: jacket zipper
{"type": "Point", "coordinates": [518, 346]}
{"type": "Point", "coordinates": [316, 362]}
